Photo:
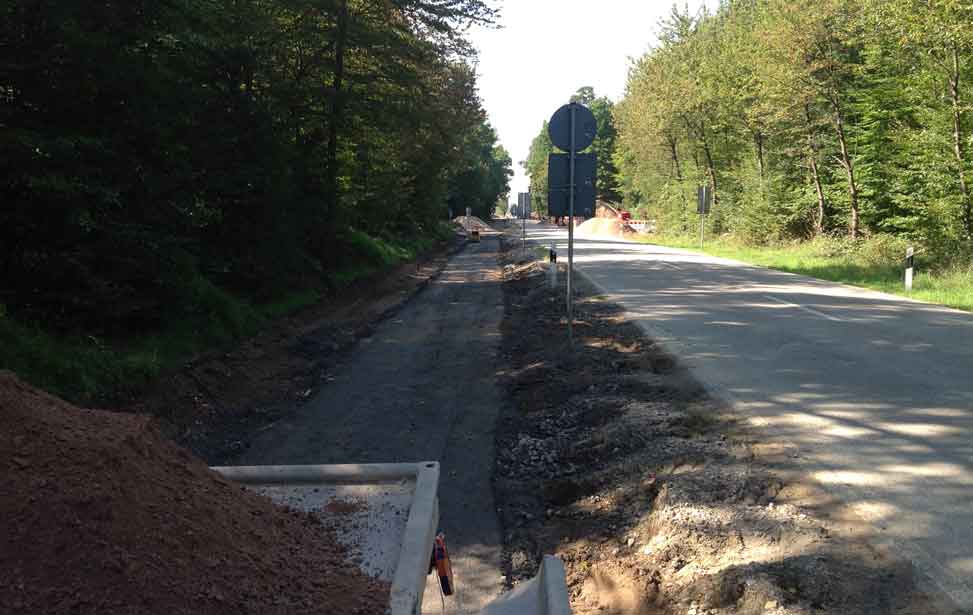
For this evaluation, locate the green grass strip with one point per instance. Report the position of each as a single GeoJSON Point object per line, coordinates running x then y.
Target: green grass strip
{"type": "Point", "coordinates": [952, 286]}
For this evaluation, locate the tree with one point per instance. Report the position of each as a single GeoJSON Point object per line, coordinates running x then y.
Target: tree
{"type": "Point", "coordinates": [818, 50]}
{"type": "Point", "coordinates": [158, 159]}
{"type": "Point", "coordinates": [935, 36]}
{"type": "Point", "coordinates": [536, 167]}
{"type": "Point", "coordinates": [603, 147]}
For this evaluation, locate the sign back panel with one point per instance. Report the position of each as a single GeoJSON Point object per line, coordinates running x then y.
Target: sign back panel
{"type": "Point", "coordinates": [559, 178]}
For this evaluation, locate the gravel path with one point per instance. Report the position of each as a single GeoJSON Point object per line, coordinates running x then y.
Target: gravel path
{"type": "Point", "coordinates": [421, 388]}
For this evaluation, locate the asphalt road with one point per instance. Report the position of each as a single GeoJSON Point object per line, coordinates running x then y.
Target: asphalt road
{"type": "Point", "coordinates": [422, 387]}
{"type": "Point", "coordinates": [874, 393]}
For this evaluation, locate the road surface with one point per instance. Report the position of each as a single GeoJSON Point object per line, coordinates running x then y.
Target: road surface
{"type": "Point", "coordinates": [873, 392]}
{"type": "Point", "coordinates": [422, 387]}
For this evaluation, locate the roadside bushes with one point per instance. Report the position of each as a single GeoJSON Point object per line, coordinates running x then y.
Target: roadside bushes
{"type": "Point", "coordinates": [879, 249]}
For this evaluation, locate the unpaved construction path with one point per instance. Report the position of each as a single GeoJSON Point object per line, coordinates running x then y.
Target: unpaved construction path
{"type": "Point", "coordinates": [422, 387]}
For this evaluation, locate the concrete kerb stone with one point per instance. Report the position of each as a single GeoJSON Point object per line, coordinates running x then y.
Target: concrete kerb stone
{"type": "Point", "coordinates": [545, 594]}
{"type": "Point", "coordinates": [409, 580]}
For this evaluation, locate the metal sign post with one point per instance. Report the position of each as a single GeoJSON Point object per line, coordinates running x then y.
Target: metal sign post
{"type": "Point", "coordinates": [702, 217]}
{"type": "Point", "coordinates": [909, 264]}
{"type": "Point", "coordinates": [523, 207]}
{"type": "Point", "coordinates": [571, 230]}
{"type": "Point", "coordinates": [572, 128]}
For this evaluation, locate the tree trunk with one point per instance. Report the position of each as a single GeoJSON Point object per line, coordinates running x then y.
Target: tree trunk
{"type": "Point", "coordinates": [758, 146]}
{"type": "Point", "coordinates": [673, 152]}
{"type": "Point", "coordinates": [710, 169]}
{"type": "Point", "coordinates": [334, 125]}
{"type": "Point", "coordinates": [853, 223]}
{"type": "Point", "coordinates": [954, 93]}
{"type": "Point", "coordinates": [815, 176]}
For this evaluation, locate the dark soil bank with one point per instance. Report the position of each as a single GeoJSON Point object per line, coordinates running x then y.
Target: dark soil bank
{"type": "Point", "coordinates": [100, 514]}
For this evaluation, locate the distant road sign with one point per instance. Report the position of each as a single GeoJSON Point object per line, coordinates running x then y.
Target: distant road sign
{"type": "Point", "coordinates": [558, 182]}
{"type": "Point", "coordinates": [704, 198]}
{"type": "Point", "coordinates": [523, 204]}
{"type": "Point", "coordinates": [585, 127]}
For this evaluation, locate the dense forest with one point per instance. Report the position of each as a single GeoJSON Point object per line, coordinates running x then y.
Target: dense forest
{"type": "Point", "coordinates": [166, 167]}
{"type": "Point", "coordinates": [838, 118]}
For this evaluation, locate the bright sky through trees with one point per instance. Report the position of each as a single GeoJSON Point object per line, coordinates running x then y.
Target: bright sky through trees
{"type": "Point", "coordinates": [547, 49]}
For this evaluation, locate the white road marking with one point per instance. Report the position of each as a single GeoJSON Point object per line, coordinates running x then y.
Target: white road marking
{"type": "Point", "coordinates": [806, 309]}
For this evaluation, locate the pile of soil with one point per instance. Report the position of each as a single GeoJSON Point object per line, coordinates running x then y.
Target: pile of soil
{"type": "Point", "coordinates": [613, 457]}
{"type": "Point", "coordinates": [101, 514]}
{"type": "Point", "coordinates": [605, 227]}
{"type": "Point", "coordinates": [472, 222]}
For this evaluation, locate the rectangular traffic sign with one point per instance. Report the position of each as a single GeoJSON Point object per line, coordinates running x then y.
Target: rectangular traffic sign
{"type": "Point", "coordinates": [559, 178]}
{"type": "Point", "coordinates": [704, 198]}
{"type": "Point", "coordinates": [523, 204]}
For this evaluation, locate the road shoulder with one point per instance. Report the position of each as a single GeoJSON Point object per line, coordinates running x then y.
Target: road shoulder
{"type": "Point", "coordinates": [658, 498]}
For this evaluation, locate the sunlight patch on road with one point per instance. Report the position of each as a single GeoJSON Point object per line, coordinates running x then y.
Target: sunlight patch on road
{"type": "Point", "coordinates": [873, 510]}
{"type": "Point", "coordinates": [848, 477]}
{"type": "Point", "coordinates": [845, 431]}
{"type": "Point", "coordinates": [932, 469]}
{"type": "Point", "coordinates": [919, 429]}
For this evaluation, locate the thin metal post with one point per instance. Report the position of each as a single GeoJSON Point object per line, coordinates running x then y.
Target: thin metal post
{"type": "Point", "coordinates": [909, 264]}
{"type": "Point", "coordinates": [701, 218]}
{"type": "Point", "coordinates": [571, 234]}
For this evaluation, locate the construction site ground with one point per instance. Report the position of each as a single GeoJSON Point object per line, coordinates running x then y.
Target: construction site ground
{"type": "Point", "coordinates": [216, 403]}
{"type": "Point", "coordinates": [420, 386]}
{"type": "Point", "coordinates": [656, 496]}
{"type": "Point", "coordinates": [607, 452]}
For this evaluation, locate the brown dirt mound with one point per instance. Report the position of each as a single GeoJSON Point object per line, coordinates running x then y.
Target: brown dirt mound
{"type": "Point", "coordinates": [605, 227]}
{"type": "Point", "coordinates": [472, 222]}
{"type": "Point", "coordinates": [102, 515]}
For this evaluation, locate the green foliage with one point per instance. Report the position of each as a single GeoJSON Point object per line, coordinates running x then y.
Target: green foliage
{"type": "Point", "coordinates": [536, 167]}
{"type": "Point", "coordinates": [290, 303]}
{"type": "Point", "coordinates": [807, 119]}
{"type": "Point", "coordinates": [164, 167]}
{"type": "Point", "coordinates": [368, 255]}
{"type": "Point", "coordinates": [606, 180]}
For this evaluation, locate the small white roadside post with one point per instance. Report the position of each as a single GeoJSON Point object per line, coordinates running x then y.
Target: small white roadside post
{"type": "Point", "coordinates": [909, 263]}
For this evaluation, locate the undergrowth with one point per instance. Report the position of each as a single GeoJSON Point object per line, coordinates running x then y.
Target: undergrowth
{"type": "Point", "coordinates": [89, 369]}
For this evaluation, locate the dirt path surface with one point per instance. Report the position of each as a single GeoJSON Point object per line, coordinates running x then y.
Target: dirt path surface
{"type": "Point", "coordinates": [216, 402]}
{"type": "Point", "coordinates": [658, 499]}
{"type": "Point", "coordinates": [420, 387]}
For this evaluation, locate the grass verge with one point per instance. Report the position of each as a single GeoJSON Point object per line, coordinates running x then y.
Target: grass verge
{"type": "Point", "coordinates": [868, 265]}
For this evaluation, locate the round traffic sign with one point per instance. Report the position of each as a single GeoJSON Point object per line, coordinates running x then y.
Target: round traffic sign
{"type": "Point", "coordinates": [585, 127]}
